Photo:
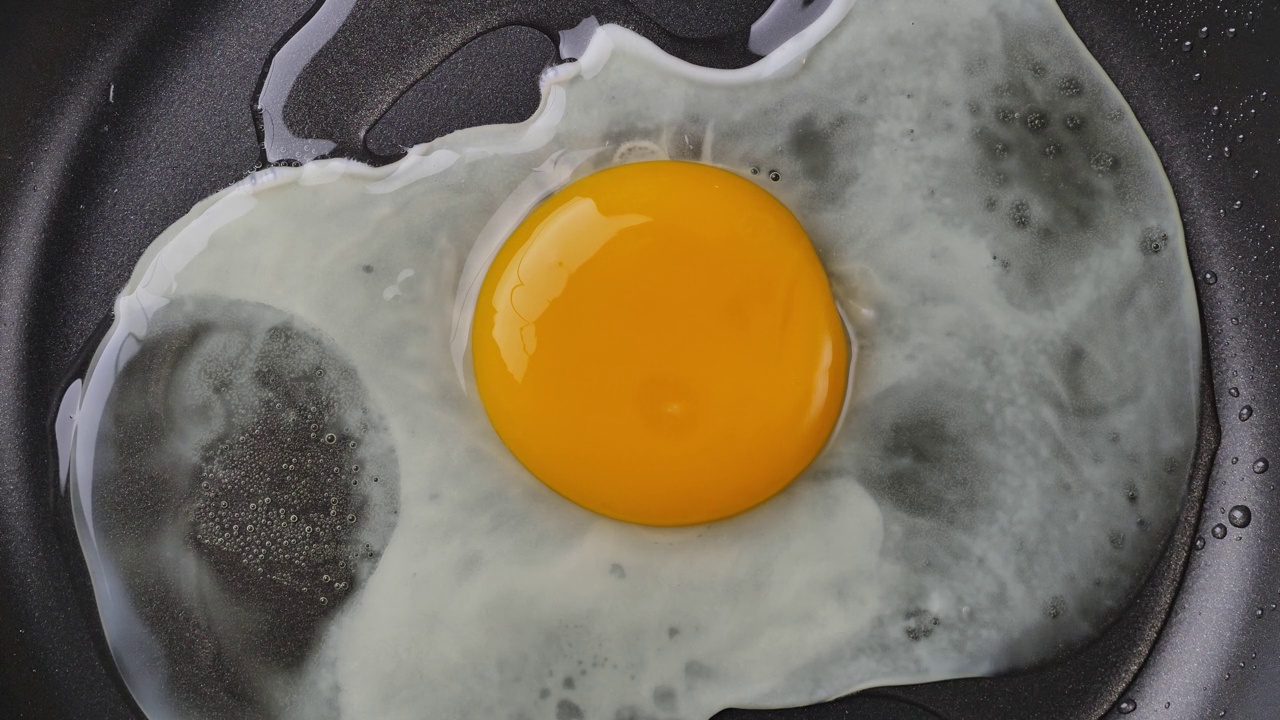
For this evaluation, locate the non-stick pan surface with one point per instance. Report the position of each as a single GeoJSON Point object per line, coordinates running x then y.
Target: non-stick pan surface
{"type": "Point", "coordinates": [118, 115]}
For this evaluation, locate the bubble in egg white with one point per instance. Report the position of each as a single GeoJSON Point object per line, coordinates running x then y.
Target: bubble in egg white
{"type": "Point", "coordinates": [998, 232]}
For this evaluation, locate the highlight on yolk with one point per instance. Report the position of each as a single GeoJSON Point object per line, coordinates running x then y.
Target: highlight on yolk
{"type": "Point", "coordinates": [658, 343]}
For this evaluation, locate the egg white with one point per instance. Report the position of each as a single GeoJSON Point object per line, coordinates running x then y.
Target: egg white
{"type": "Point", "coordinates": [1018, 436]}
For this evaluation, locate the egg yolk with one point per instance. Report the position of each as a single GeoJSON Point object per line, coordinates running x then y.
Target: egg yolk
{"type": "Point", "coordinates": [658, 343]}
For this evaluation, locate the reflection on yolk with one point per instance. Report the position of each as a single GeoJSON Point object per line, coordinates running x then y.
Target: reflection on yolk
{"type": "Point", "coordinates": [657, 342]}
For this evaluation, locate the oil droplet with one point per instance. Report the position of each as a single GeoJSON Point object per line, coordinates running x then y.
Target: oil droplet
{"type": "Point", "coordinates": [1240, 516]}
{"type": "Point", "coordinates": [1219, 531]}
{"type": "Point", "coordinates": [1260, 465]}
{"type": "Point", "coordinates": [1246, 412]}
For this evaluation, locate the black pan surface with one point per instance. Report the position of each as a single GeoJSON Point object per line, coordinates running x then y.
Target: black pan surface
{"type": "Point", "coordinates": [118, 115]}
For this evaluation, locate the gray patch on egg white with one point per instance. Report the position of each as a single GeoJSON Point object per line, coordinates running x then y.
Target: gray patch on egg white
{"type": "Point", "coordinates": [695, 671]}
{"type": "Point", "coordinates": [568, 710]}
{"type": "Point", "coordinates": [928, 464]}
{"type": "Point", "coordinates": [813, 145]}
{"type": "Point", "coordinates": [664, 698]}
{"type": "Point", "coordinates": [1034, 136]}
{"type": "Point", "coordinates": [230, 459]}
{"type": "Point", "coordinates": [631, 712]}
{"type": "Point", "coordinates": [815, 153]}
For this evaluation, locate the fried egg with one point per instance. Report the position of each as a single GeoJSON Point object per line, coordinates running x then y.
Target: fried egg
{"type": "Point", "coordinates": [874, 362]}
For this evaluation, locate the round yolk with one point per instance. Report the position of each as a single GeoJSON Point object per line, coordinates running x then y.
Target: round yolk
{"type": "Point", "coordinates": [658, 343]}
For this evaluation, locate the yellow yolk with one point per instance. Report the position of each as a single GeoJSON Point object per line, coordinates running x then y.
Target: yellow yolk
{"type": "Point", "coordinates": [658, 343]}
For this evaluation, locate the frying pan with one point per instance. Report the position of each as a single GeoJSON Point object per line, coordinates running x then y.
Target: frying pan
{"type": "Point", "coordinates": [118, 115]}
